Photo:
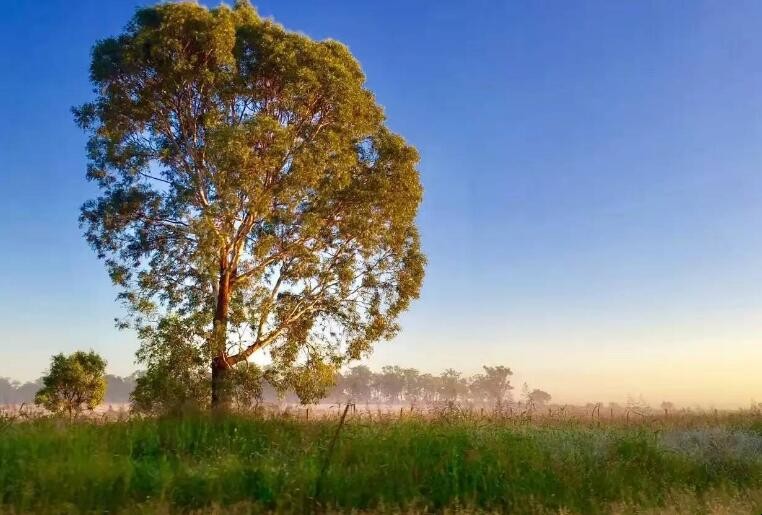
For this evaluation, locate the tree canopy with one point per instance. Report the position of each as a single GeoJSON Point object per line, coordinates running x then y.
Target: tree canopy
{"type": "Point", "coordinates": [250, 190]}
{"type": "Point", "coordinates": [74, 383]}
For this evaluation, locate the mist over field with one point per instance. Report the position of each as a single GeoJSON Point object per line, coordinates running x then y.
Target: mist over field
{"type": "Point", "coordinates": [394, 386]}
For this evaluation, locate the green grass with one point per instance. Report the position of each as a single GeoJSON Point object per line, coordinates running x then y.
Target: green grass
{"type": "Point", "coordinates": [252, 465]}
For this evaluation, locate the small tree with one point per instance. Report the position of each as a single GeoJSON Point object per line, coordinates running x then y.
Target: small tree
{"type": "Point", "coordinates": [75, 382]}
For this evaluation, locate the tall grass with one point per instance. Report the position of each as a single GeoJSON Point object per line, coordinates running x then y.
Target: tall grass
{"type": "Point", "coordinates": [258, 465]}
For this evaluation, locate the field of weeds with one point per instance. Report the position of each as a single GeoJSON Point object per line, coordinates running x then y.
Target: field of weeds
{"type": "Point", "coordinates": [411, 464]}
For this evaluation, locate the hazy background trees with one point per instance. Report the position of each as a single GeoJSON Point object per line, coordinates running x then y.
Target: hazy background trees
{"type": "Point", "coordinates": [169, 392]}
{"type": "Point", "coordinates": [169, 387]}
{"type": "Point", "coordinates": [494, 386]}
{"type": "Point", "coordinates": [14, 392]}
{"type": "Point", "coordinates": [118, 389]}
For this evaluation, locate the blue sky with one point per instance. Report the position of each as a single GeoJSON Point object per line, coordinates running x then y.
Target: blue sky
{"type": "Point", "coordinates": [592, 176]}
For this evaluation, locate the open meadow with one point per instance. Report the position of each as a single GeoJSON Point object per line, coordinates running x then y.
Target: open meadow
{"type": "Point", "coordinates": [449, 461]}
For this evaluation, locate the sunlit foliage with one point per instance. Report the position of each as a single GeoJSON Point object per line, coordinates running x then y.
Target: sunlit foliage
{"type": "Point", "coordinates": [74, 383]}
{"type": "Point", "coordinates": [250, 190]}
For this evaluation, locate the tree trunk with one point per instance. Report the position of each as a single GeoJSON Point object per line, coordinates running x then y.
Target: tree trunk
{"type": "Point", "coordinates": [221, 400]}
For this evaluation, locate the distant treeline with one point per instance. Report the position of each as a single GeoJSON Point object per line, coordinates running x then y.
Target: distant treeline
{"type": "Point", "coordinates": [118, 390]}
{"type": "Point", "coordinates": [360, 384]}
{"type": "Point", "coordinates": [394, 384]}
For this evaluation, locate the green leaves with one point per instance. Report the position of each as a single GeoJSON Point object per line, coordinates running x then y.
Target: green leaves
{"type": "Point", "coordinates": [248, 182]}
{"type": "Point", "coordinates": [74, 383]}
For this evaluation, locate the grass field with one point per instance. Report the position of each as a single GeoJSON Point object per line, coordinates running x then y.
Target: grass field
{"type": "Point", "coordinates": [693, 464]}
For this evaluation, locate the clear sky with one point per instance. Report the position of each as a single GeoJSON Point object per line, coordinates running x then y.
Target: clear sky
{"type": "Point", "coordinates": [592, 174]}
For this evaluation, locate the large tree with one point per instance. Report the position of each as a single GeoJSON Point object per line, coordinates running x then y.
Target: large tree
{"type": "Point", "coordinates": [250, 188]}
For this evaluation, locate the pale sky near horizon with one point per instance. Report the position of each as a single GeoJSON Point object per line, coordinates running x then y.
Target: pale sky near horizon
{"type": "Point", "coordinates": [592, 175]}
